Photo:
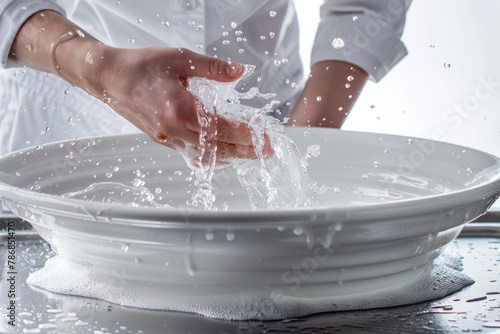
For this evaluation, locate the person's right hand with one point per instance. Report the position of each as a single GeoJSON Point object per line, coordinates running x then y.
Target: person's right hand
{"type": "Point", "coordinates": [148, 87]}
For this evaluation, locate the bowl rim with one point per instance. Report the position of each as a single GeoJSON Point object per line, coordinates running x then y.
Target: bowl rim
{"type": "Point", "coordinates": [487, 190]}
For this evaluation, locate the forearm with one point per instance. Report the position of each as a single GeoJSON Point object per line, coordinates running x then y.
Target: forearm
{"type": "Point", "coordinates": [329, 94]}
{"type": "Point", "coordinates": [38, 46]}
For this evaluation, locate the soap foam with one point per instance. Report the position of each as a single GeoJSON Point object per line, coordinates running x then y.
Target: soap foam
{"type": "Point", "coordinates": [438, 280]}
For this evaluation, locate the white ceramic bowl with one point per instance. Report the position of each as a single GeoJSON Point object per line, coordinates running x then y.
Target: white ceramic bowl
{"type": "Point", "coordinates": [400, 202]}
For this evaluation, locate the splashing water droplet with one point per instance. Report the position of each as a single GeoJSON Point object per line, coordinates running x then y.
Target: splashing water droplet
{"type": "Point", "coordinates": [338, 43]}
{"type": "Point", "coordinates": [298, 230]}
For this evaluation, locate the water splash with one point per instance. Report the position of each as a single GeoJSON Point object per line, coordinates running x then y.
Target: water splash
{"type": "Point", "coordinates": [114, 192]}
{"type": "Point", "coordinates": [274, 182]}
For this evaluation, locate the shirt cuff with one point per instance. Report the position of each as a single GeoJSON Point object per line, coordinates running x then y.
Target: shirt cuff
{"type": "Point", "coordinates": [12, 16]}
{"type": "Point", "coordinates": [359, 39]}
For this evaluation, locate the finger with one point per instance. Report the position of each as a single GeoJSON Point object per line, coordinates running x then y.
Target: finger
{"type": "Point", "coordinates": [227, 153]}
{"type": "Point", "coordinates": [198, 65]}
{"type": "Point", "coordinates": [233, 133]}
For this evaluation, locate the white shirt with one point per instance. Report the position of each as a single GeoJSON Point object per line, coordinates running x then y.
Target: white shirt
{"type": "Point", "coordinates": [259, 32]}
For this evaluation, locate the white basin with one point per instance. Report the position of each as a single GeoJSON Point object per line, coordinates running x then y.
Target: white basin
{"type": "Point", "coordinates": [399, 202]}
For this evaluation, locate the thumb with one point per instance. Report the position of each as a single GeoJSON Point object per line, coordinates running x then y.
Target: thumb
{"type": "Point", "coordinates": [215, 68]}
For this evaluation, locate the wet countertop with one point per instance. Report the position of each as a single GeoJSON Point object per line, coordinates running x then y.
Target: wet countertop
{"type": "Point", "coordinates": [474, 309]}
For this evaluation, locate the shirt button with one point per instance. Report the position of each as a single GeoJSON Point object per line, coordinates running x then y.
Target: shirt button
{"type": "Point", "coordinates": [189, 4]}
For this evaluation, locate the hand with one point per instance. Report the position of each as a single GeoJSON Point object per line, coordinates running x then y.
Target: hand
{"type": "Point", "coordinates": [148, 87]}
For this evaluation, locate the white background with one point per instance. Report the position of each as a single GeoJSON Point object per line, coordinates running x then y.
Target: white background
{"type": "Point", "coordinates": [420, 97]}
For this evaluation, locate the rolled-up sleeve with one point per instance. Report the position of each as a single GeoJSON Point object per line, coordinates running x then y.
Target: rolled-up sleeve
{"type": "Point", "coordinates": [366, 33]}
{"type": "Point", "coordinates": [13, 13]}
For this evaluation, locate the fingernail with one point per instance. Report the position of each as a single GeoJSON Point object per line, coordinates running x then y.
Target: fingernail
{"type": "Point", "coordinates": [234, 70]}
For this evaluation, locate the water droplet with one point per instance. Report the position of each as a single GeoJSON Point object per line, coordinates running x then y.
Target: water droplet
{"type": "Point", "coordinates": [138, 183]}
{"type": "Point", "coordinates": [131, 41]}
{"type": "Point", "coordinates": [364, 176]}
{"type": "Point", "coordinates": [318, 98]}
{"type": "Point", "coordinates": [230, 236]}
{"type": "Point", "coordinates": [277, 62]}
{"type": "Point", "coordinates": [376, 164]}
{"type": "Point", "coordinates": [209, 236]}
{"type": "Point", "coordinates": [338, 43]}
{"type": "Point", "coordinates": [272, 34]}
{"type": "Point", "coordinates": [233, 25]}
{"type": "Point", "coordinates": [298, 230]}
{"type": "Point", "coordinates": [225, 42]}
{"type": "Point", "coordinates": [272, 13]}
{"type": "Point", "coordinates": [109, 175]}
{"type": "Point", "coordinates": [354, 18]}
{"type": "Point", "coordinates": [447, 65]}
{"type": "Point", "coordinates": [125, 247]}
{"type": "Point", "coordinates": [29, 47]}
{"type": "Point", "coordinates": [138, 20]}
{"type": "Point", "coordinates": [241, 50]}
{"type": "Point", "coordinates": [372, 106]}
{"type": "Point", "coordinates": [238, 32]}
{"type": "Point", "coordinates": [350, 78]}
{"type": "Point", "coordinates": [262, 37]}
{"type": "Point", "coordinates": [409, 141]}
{"type": "Point", "coordinates": [165, 23]}
{"type": "Point", "coordinates": [347, 85]}
{"type": "Point", "coordinates": [137, 260]}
